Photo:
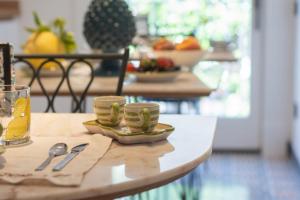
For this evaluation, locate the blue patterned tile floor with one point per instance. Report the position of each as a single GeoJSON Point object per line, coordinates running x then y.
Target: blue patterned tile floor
{"type": "Point", "coordinates": [233, 176]}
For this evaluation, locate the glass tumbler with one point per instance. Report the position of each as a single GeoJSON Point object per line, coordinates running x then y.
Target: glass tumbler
{"type": "Point", "coordinates": [14, 114]}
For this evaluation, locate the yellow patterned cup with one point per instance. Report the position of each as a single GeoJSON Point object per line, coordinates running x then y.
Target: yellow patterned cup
{"type": "Point", "coordinates": [141, 117]}
{"type": "Point", "coordinates": [109, 109]}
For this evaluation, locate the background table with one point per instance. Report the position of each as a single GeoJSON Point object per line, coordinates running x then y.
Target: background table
{"type": "Point", "coordinates": [125, 169]}
{"type": "Point", "coordinates": [186, 85]}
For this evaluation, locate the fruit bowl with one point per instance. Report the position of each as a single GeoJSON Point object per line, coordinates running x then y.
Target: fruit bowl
{"type": "Point", "coordinates": [184, 58]}
{"type": "Point", "coordinates": [155, 76]}
{"type": "Point", "coordinates": [154, 70]}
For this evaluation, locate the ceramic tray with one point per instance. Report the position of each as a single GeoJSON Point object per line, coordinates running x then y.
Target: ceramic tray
{"type": "Point", "coordinates": [123, 135]}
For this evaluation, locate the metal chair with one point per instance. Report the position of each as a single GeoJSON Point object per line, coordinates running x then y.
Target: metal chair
{"type": "Point", "coordinates": [78, 99]}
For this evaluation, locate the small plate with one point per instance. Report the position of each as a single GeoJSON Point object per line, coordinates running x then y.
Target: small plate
{"type": "Point", "coordinates": [155, 76]}
{"type": "Point", "coordinates": [123, 135]}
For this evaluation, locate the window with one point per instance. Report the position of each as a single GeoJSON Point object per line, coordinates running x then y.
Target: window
{"type": "Point", "coordinates": [219, 20]}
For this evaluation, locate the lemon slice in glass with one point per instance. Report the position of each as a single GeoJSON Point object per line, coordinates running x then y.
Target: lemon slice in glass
{"type": "Point", "coordinates": [27, 110]}
{"type": "Point", "coordinates": [17, 128]}
{"type": "Point", "coordinates": [20, 107]}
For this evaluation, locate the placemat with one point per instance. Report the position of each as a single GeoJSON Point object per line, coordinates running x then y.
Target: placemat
{"type": "Point", "coordinates": [17, 164]}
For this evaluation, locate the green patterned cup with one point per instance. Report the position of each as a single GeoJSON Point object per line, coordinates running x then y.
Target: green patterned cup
{"type": "Point", "coordinates": [141, 117]}
{"type": "Point", "coordinates": [109, 109]}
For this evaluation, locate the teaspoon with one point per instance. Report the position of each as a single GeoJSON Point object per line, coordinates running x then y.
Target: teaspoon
{"type": "Point", "coordinates": [56, 150]}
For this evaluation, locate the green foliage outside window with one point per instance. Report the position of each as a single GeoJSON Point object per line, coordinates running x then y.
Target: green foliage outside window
{"type": "Point", "coordinates": [207, 19]}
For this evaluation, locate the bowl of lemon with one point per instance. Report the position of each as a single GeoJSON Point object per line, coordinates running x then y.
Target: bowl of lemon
{"type": "Point", "coordinates": [49, 38]}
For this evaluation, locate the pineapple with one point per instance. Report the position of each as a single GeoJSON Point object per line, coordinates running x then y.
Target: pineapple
{"type": "Point", "coordinates": [109, 25]}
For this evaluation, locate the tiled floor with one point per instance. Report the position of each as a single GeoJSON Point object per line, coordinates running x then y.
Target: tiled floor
{"type": "Point", "coordinates": [234, 177]}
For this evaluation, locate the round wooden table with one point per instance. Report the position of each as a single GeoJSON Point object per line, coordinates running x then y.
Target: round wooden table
{"type": "Point", "coordinates": [125, 169]}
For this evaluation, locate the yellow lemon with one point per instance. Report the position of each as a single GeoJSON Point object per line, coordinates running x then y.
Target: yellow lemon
{"type": "Point", "coordinates": [17, 128]}
{"type": "Point", "coordinates": [27, 111]}
{"type": "Point", "coordinates": [20, 107]}
{"type": "Point", "coordinates": [45, 42]}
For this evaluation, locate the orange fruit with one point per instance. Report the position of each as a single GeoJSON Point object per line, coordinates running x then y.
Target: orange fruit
{"type": "Point", "coordinates": [190, 43]}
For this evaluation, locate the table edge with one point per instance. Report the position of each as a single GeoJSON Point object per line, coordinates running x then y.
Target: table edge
{"type": "Point", "coordinates": [152, 182]}
{"type": "Point", "coordinates": [185, 170]}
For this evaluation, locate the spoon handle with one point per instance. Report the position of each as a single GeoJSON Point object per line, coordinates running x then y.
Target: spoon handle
{"type": "Point", "coordinates": [45, 163]}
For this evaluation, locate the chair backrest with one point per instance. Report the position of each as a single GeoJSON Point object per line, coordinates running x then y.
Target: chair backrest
{"type": "Point", "coordinates": [65, 75]}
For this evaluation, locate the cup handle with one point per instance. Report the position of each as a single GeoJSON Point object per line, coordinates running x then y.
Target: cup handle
{"type": "Point", "coordinates": [115, 111]}
{"type": "Point", "coordinates": [146, 119]}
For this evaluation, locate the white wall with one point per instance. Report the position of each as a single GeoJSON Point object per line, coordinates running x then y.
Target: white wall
{"type": "Point", "coordinates": [278, 56]}
{"type": "Point", "coordinates": [296, 132]}
{"type": "Point", "coordinates": [9, 32]}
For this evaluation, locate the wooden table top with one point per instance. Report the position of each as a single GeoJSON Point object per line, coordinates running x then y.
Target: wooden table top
{"type": "Point", "coordinates": [125, 169]}
{"type": "Point", "coordinates": [186, 85]}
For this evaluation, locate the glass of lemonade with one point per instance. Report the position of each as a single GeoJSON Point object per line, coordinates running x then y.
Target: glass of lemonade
{"type": "Point", "coordinates": [14, 114]}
